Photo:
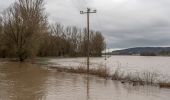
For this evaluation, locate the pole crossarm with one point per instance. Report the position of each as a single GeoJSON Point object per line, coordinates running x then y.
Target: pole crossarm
{"type": "Point", "coordinates": [88, 11]}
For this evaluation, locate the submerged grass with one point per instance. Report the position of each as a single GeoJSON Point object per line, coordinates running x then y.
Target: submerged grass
{"type": "Point", "coordinates": [145, 78]}
{"type": "Point", "coordinates": [99, 71]}
{"type": "Point", "coordinates": [140, 78]}
{"type": "Point", "coordinates": [136, 78]}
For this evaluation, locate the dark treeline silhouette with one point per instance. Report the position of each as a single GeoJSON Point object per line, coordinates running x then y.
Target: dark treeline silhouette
{"type": "Point", "coordinates": [148, 54]}
{"type": "Point", "coordinates": [164, 53]}
{"type": "Point", "coordinates": [26, 33]}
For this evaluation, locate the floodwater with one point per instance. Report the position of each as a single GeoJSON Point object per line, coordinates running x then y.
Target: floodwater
{"type": "Point", "coordinates": [127, 64]}
{"type": "Point", "coordinates": [25, 81]}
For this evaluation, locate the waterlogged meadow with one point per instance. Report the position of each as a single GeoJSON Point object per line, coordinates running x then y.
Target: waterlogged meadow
{"type": "Point", "coordinates": [136, 69]}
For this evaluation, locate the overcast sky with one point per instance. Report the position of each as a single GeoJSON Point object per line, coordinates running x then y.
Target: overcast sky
{"type": "Point", "coordinates": [124, 23]}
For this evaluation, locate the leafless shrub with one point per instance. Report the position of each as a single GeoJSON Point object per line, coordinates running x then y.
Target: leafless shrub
{"type": "Point", "coordinates": [149, 77]}
{"type": "Point", "coordinates": [101, 71]}
{"type": "Point", "coordinates": [141, 78]}
{"type": "Point", "coordinates": [117, 74]}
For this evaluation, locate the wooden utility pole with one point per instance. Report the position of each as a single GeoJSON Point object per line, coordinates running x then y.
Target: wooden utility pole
{"type": "Point", "coordinates": [105, 51]}
{"type": "Point", "coordinates": [88, 34]}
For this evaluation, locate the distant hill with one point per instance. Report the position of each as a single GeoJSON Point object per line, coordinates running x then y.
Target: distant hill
{"type": "Point", "coordinates": [144, 51]}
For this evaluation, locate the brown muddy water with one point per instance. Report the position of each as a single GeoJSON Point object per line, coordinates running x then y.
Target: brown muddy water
{"type": "Point", "coordinates": [25, 81]}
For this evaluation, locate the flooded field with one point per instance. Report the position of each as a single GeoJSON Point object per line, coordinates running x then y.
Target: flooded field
{"type": "Point", "coordinates": [127, 64]}
{"type": "Point", "coordinates": [25, 81]}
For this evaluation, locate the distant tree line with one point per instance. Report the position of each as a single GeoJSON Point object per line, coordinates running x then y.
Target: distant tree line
{"type": "Point", "coordinates": [161, 53]}
{"type": "Point", "coordinates": [148, 54]}
{"type": "Point", "coordinates": [164, 53]}
{"type": "Point", "coordinates": [26, 33]}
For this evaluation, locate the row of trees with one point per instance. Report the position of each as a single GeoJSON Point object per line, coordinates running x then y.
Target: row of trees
{"type": "Point", "coordinates": [164, 53]}
{"type": "Point", "coordinates": [25, 32]}
{"type": "Point", "coordinates": [70, 41]}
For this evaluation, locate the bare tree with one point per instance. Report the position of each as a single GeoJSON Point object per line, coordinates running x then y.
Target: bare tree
{"type": "Point", "coordinates": [24, 22]}
{"type": "Point", "coordinates": [71, 41]}
{"type": "Point", "coordinates": [1, 39]}
{"type": "Point", "coordinates": [97, 44]}
{"type": "Point", "coordinates": [24, 32]}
